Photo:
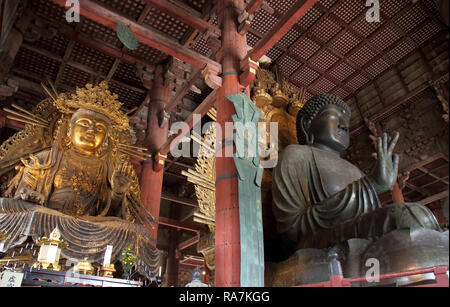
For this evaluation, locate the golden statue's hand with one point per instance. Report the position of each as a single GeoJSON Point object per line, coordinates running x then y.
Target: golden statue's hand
{"type": "Point", "coordinates": [121, 179]}
{"type": "Point", "coordinates": [27, 194]}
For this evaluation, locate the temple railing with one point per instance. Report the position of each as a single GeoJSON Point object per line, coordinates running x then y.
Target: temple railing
{"type": "Point", "coordinates": [440, 272]}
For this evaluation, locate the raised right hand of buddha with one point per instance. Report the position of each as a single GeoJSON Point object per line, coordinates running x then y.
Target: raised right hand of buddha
{"type": "Point", "coordinates": [384, 174]}
{"type": "Point", "coordinates": [121, 179]}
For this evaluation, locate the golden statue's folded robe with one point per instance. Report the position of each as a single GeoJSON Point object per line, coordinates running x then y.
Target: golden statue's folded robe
{"type": "Point", "coordinates": [86, 236]}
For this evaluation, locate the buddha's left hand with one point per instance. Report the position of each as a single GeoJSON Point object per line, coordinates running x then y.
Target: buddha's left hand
{"type": "Point", "coordinates": [121, 179]}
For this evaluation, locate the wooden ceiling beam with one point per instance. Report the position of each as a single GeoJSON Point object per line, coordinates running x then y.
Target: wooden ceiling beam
{"type": "Point", "coordinates": [182, 14]}
{"type": "Point", "coordinates": [281, 28]}
{"type": "Point", "coordinates": [179, 200]}
{"type": "Point", "coordinates": [145, 35]}
{"type": "Point", "coordinates": [434, 198]}
{"type": "Point", "coordinates": [189, 242]}
{"type": "Point", "coordinates": [179, 225]}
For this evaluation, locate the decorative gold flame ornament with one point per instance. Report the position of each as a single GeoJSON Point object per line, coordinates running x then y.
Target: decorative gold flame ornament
{"type": "Point", "coordinates": [50, 251]}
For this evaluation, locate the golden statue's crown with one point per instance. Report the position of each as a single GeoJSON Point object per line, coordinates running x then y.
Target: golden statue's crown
{"type": "Point", "coordinates": [94, 98]}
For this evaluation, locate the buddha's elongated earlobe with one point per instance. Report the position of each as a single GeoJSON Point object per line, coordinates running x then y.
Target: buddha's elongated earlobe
{"type": "Point", "coordinates": [309, 138]}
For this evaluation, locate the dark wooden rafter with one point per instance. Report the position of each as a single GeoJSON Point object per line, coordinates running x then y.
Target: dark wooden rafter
{"type": "Point", "coordinates": [145, 35]}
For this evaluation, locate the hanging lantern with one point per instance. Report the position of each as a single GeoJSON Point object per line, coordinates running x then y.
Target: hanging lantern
{"type": "Point", "coordinates": [50, 251]}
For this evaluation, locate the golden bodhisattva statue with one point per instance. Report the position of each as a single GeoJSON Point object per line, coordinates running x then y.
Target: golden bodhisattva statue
{"type": "Point", "coordinates": [78, 177]}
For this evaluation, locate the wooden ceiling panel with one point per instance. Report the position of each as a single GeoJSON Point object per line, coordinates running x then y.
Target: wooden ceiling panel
{"type": "Point", "coordinates": [197, 5]}
{"type": "Point", "coordinates": [127, 73]}
{"type": "Point", "coordinates": [93, 59]}
{"type": "Point", "coordinates": [56, 45]}
{"type": "Point", "coordinates": [323, 86]}
{"type": "Point", "coordinates": [385, 38]}
{"type": "Point", "coordinates": [323, 60]}
{"type": "Point", "coordinates": [252, 39]}
{"type": "Point", "coordinates": [342, 71]}
{"type": "Point", "coordinates": [427, 32]}
{"type": "Point", "coordinates": [328, 3]}
{"type": "Point", "coordinates": [201, 47]}
{"type": "Point", "coordinates": [149, 54]}
{"type": "Point", "coordinates": [362, 56]}
{"type": "Point", "coordinates": [289, 38]}
{"type": "Point", "coordinates": [274, 53]}
{"type": "Point", "coordinates": [357, 82]}
{"type": "Point", "coordinates": [288, 65]}
{"type": "Point", "coordinates": [411, 18]}
{"type": "Point", "coordinates": [390, 8]}
{"type": "Point", "coordinates": [340, 92]}
{"type": "Point", "coordinates": [166, 24]}
{"type": "Point", "coordinates": [74, 77]}
{"type": "Point", "coordinates": [364, 28]}
{"type": "Point", "coordinates": [36, 63]}
{"type": "Point", "coordinates": [305, 76]}
{"type": "Point", "coordinates": [100, 32]}
{"type": "Point", "coordinates": [126, 96]}
{"type": "Point", "coordinates": [263, 22]}
{"type": "Point", "coordinates": [281, 6]}
{"type": "Point", "coordinates": [326, 29]}
{"type": "Point", "coordinates": [129, 8]}
{"type": "Point", "coordinates": [305, 48]}
{"type": "Point", "coordinates": [344, 42]}
{"type": "Point", "coordinates": [348, 10]}
{"type": "Point", "coordinates": [311, 17]}
{"type": "Point", "coordinates": [51, 11]}
{"type": "Point", "coordinates": [401, 50]}
{"type": "Point", "coordinates": [378, 67]}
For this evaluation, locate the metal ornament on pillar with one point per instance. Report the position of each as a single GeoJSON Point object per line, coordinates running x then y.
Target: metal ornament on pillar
{"type": "Point", "coordinates": [250, 173]}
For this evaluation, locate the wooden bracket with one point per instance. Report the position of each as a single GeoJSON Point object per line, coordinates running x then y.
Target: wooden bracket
{"type": "Point", "coordinates": [159, 161]}
{"type": "Point", "coordinates": [212, 78]}
{"type": "Point", "coordinates": [212, 40]}
{"type": "Point", "coordinates": [244, 20]}
{"type": "Point", "coordinates": [248, 71]}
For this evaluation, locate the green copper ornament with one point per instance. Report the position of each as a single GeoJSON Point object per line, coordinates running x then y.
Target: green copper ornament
{"type": "Point", "coordinates": [126, 36]}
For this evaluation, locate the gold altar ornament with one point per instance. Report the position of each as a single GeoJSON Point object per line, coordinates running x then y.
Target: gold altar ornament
{"type": "Point", "coordinates": [108, 270]}
{"type": "Point", "coordinates": [50, 250]}
{"type": "Point", "coordinates": [84, 267]}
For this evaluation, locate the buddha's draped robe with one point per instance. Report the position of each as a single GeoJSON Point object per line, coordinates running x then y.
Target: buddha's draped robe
{"type": "Point", "coordinates": [319, 199]}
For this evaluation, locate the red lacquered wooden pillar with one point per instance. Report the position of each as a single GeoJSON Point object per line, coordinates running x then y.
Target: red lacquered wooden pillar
{"type": "Point", "coordinates": [397, 195]}
{"type": "Point", "coordinates": [157, 129]}
{"type": "Point", "coordinates": [227, 246]}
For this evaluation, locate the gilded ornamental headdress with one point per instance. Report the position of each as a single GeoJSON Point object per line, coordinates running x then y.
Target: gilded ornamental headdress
{"type": "Point", "coordinates": [94, 98]}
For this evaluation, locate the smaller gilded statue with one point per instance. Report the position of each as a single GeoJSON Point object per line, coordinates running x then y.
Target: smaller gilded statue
{"type": "Point", "coordinates": [78, 177]}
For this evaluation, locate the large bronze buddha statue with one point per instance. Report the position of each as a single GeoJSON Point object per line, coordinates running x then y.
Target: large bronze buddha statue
{"type": "Point", "coordinates": [84, 183]}
{"type": "Point", "coordinates": [321, 200]}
